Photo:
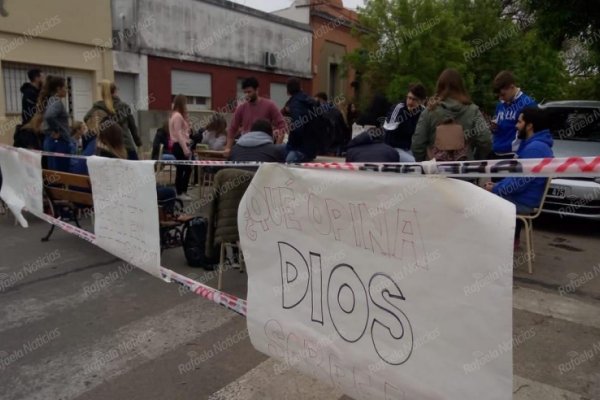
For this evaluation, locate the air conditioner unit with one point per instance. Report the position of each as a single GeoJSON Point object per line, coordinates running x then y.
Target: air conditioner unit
{"type": "Point", "coordinates": [270, 60]}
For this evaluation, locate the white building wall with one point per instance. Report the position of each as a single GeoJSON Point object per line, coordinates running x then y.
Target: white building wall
{"type": "Point", "coordinates": [217, 32]}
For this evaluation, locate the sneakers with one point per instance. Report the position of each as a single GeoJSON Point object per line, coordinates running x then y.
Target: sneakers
{"type": "Point", "coordinates": [184, 197]}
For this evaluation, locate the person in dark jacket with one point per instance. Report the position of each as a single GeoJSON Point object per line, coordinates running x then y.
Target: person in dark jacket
{"type": "Point", "coordinates": [340, 131]}
{"type": "Point", "coordinates": [536, 142]}
{"type": "Point", "coordinates": [31, 91]}
{"type": "Point", "coordinates": [161, 137]}
{"type": "Point", "coordinates": [258, 145]}
{"type": "Point", "coordinates": [402, 120]}
{"type": "Point", "coordinates": [369, 147]}
{"type": "Point", "coordinates": [303, 141]}
{"type": "Point", "coordinates": [27, 138]}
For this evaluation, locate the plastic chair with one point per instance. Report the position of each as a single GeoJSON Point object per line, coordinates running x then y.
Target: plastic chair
{"type": "Point", "coordinates": [527, 220]}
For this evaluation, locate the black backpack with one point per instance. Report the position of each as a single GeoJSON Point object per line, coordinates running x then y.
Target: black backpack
{"type": "Point", "coordinates": [194, 244]}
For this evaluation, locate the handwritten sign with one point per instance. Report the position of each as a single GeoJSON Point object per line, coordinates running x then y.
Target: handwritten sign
{"type": "Point", "coordinates": [359, 279]}
{"type": "Point", "coordinates": [125, 206]}
{"type": "Point", "coordinates": [22, 185]}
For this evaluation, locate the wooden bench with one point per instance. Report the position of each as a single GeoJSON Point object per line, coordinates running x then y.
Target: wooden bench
{"type": "Point", "coordinates": [68, 193]}
{"type": "Point", "coordinates": [65, 195]}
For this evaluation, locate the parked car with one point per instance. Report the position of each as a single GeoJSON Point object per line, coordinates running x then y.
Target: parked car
{"type": "Point", "coordinates": [575, 126]}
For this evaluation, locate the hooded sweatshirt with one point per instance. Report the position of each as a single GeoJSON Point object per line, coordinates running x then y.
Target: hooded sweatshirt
{"type": "Point", "coordinates": [527, 190]}
{"type": "Point", "coordinates": [257, 146]}
{"type": "Point", "coordinates": [506, 117]}
{"type": "Point", "coordinates": [369, 147]}
{"type": "Point", "coordinates": [476, 129]}
{"type": "Point", "coordinates": [28, 102]}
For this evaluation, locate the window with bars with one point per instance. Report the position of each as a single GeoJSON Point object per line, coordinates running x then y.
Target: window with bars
{"type": "Point", "coordinates": [14, 76]}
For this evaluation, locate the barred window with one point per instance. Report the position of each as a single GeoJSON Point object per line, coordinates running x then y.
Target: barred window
{"type": "Point", "coordinates": [14, 75]}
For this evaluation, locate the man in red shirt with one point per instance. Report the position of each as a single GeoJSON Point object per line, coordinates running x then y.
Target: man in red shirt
{"type": "Point", "coordinates": [253, 109]}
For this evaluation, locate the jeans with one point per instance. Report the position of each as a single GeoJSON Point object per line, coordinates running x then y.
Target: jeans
{"type": "Point", "coordinates": [132, 155]}
{"type": "Point", "coordinates": [168, 157]}
{"type": "Point", "coordinates": [406, 156]}
{"type": "Point", "coordinates": [523, 210]}
{"type": "Point", "coordinates": [182, 172]}
{"type": "Point", "coordinates": [62, 164]}
{"type": "Point", "coordinates": [295, 156]}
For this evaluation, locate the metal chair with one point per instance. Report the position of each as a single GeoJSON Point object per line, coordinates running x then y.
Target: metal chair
{"type": "Point", "coordinates": [527, 220]}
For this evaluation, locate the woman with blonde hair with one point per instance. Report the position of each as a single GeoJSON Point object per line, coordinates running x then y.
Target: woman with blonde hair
{"type": "Point", "coordinates": [111, 106]}
{"type": "Point", "coordinates": [179, 132]}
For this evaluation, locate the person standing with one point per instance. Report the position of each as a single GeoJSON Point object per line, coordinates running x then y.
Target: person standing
{"type": "Point", "coordinates": [112, 106]}
{"type": "Point", "coordinates": [526, 193]}
{"type": "Point", "coordinates": [179, 131]}
{"type": "Point", "coordinates": [52, 120]}
{"type": "Point", "coordinates": [305, 125]}
{"type": "Point", "coordinates": [340, 131]}
{"type": "Point", "coordinates": [401, 122]}
{"type": "Point", "coordinates": [253, 109]}
{"type": "Point", "coordinates": [451, 103]}
{"type": "Point", "coordinates": [512, 101]}
{"type": "Point", "coordinates": [30, 92]}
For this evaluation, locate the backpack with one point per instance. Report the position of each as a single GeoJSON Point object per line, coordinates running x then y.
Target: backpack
{"type": "Point", "coordinates": [450, 143]}
{"type": "Point", "coordinates": [194, 243]}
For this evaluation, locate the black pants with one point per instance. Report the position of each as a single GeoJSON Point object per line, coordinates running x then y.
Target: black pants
{"type": "Point", "coordinates": [494, 156]}
{"type": "Point", "coordinates": [183, 172]}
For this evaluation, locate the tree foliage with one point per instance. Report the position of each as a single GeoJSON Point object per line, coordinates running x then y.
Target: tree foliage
{"type": "Point", "coordinates": [406, 41]}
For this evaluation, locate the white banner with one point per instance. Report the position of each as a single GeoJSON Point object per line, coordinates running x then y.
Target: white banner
{"type": "Point", "coordinates": [365, 281]}
{"type": "Point", "coordinates": [22, 182]}
{"type": "Point", "coordinates": [125, 208]}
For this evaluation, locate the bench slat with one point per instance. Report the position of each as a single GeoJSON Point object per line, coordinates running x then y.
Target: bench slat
{"type": "Point", "coordinates": [57, 194]}
{"type": "Point", "coordinates": [64, 178]}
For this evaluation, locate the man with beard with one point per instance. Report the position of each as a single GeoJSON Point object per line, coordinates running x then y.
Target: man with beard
{"type": "Point", "coordinates": [253, 109]}
{"type": "Point", "coordinates": [536, 142]}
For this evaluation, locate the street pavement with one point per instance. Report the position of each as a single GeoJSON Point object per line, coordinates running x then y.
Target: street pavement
{"type": "Point", "coordinates": [77, 323]}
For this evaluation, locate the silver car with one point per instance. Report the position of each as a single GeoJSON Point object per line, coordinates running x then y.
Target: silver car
{"type": "Point", "coordinates": [575, 126]}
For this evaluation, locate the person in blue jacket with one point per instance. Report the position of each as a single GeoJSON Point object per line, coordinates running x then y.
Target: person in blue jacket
{"type": "Point", "coordinates": [536, 142]}
{"type": "Point", "coordinates": [512, 101]}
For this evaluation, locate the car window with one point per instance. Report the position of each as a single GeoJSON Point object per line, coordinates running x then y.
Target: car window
{"type": "Point", "coordinates": [579, 125]}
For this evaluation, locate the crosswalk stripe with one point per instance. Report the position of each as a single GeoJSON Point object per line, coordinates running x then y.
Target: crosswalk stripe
{"type": "Point", "coordinates": [262, 383]}
{"type": "Point", "coordinates": [68, 375]}
{"type": "Point", "coordinates": [556, 306]}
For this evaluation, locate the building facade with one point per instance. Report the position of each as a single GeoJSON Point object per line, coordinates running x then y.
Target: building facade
{"type": "Point", "coordinates": [54, 37]}
{"type": "Point", "coordinates": [203, 49]}
{"type": "Point", "coordinates": [332, 25]}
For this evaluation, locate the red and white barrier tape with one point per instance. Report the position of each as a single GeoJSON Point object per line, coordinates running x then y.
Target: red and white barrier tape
{"type": "Point", "coordinates": [543, 167]}
{"type": "Point", "coordinates": [229, 301]}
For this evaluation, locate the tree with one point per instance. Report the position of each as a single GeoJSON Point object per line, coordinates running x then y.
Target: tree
{"type": "Point", "coordinates": [406, 41]}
